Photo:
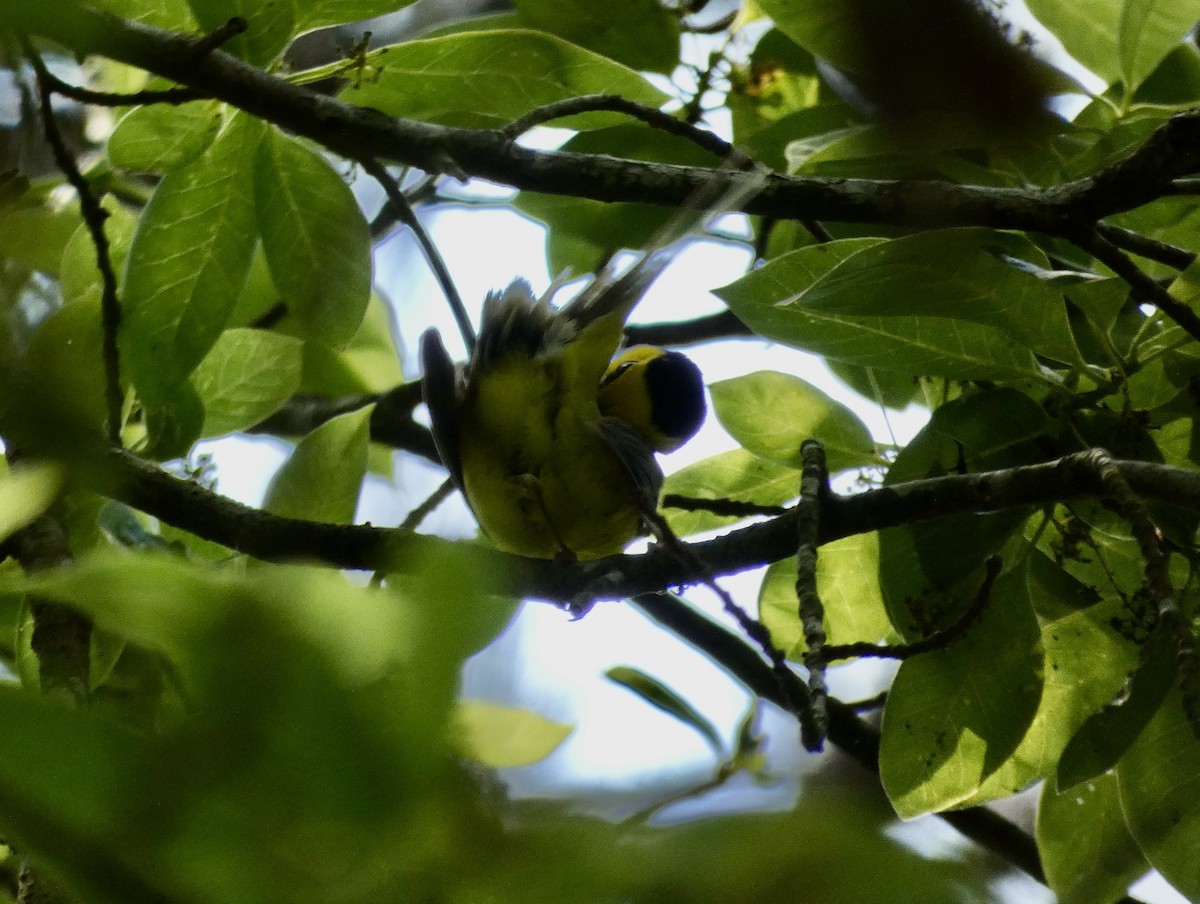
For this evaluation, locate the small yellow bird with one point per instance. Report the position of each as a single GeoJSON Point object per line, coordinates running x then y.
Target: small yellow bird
{"type": "Point", "coordinates": [549, 436]}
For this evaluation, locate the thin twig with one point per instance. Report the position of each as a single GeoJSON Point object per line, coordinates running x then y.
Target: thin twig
{"type": "Point", "coordinates": [389, 215]}
{"type": "Point", "coordinates": [814, 485]}
{"type": "Point", "coordinates": [1145, 288]}
{"type": "Point", "coordinates": [1158, 574]}
{"type": "Point", "coordinates": [178, 95]}
{"type": "Point", "coordinates": [1144, 246]}
{"type": "Point", "coordinates": [751, 627]}
{"type": "Point", "coordinates": [589, 103]}
{"type": "Point", "coordinates": [436, 263]}
{"type": "Point", "coordinates": [93, 217]}
{"type": "Point", "coordinates": [723, 325]}
{"type": "Point", "coordinates": [422, 511]}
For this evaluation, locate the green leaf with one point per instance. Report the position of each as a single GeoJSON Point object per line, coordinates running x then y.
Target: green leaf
{"type": "Point", "coordinates": [161, 137]}
{"type": "Point", "coordinates": [503, 737]}
{"type": "Point", "coordinates": [768, 301]}
{"type": "Point", "coordinates": [488, 79]}
{"type": "Point", "coordinates": [737, 475]}
{"type": "Point", "coordinates": [312, 14]}
{"type": "Point", "coordinates": [771, 414]}
{"type": "Point", "coordinates": [65, 375]}
{"type": "Point", "coordinates": [662, 697]}
{"type": "Point", "coordinates": [922, 564]}
{"type": "Point", "coordinates": [37, 236]}
{"type": "Point", "coordinates": [172, 15]}
{"type": "Point", "coordinates": [370, 363]}
{"type": "Point", "coordinates": [1148, 31]}
{"type": "Point", "coordinates": [1104, 739]}
{"type": "Point", "coordinates": [316, 241]}
{"type": "Point", "coordinates": [187, 263]}
{"type": "Point", "coordinates": [1086, 664]}
{"type": "Point", "coordinates": [848, 584]}
{"type": "Point", "coordinates": [640, 34]}
{"type": "Point", "coordinates": [1089, 31]}
{"type": "Point", "coordinates": [270, 25]}
{"type": "Point", "coordinates": [248, 375]}
{"type": "Point", "coordinates": [1087, 852]}
{"type": "Point", "coordinates": [957, 274]}
{"type": "Point", "coordinates": [1159, 784]}
{"type": "Point", "coordinates": [300, 688]}
{"type": "Point", "coordinates": [79, 273]}
{"type": "Point", "coordinates": [323, 477]}
{"type": "Point", "coordinates": [955, 714]}
{"type": "Point", "coordinates": [26, 491]}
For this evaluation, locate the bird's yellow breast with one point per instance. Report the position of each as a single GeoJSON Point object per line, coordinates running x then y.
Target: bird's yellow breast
{"type": "Point", "coordinates": [536, 468]}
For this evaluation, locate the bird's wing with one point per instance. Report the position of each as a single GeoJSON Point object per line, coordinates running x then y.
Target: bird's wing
{"type": "Point", "coordinates": [637, 458]}
{"type": "Point", "coordinates": [442, 389]}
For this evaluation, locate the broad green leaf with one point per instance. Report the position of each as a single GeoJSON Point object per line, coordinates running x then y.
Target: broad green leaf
{"type": "Point", "coordinates": [79, 273]}
{"type": "Point", "coordinates": [247, 376]}
{"type": "Point", "coordinates": [300, 688]}
{"type": "Point", "coordinates": [369, 363]}
{"type": "Point", "coordinates": [662, 697]}
{"type": "Point", "coordinates": [316, 241]}
{"type": "Point", "coordinates": [1159, 784]}
{"type": "Point", "coordinates": [583, 234]}
{"type": "Point", "coordinates": [954, 715]}
{"type": "Point", "coordinates": [161, 137]}
{"type": "Point", "coordinates": [1176, 81]}
{"type": "Point", "coordinates": [737, 475]}
{"type": "Point", "coordinates": [323, 477]}
{"type": "Point", "coordinates": [173, 15]}
{"type": "Point", "coordinates": [886, 389]}
{"type": "Point", "coordinates": [982, 431]}
{"type": "Point", "coordinates": [187, 263]}
{"type": "Point", "coordinates": [26, 492]}
{"type": "Point", "coordinates": [503, 737]}
{"type": "Point", "coordinates": [771, 414]}
{"type": "Point", "coordinates": [1152, 386]}
{"type": "Point", "coordinates": [780, 82]}
{"type": "Point", "coordinates": [1089, 32]}
{"type": "Point", "coordinates": [25, 661]}
{"type": "Point", "coordinates": [270, 25]}
{"type": "Point", "coordinates": [37, 236]}
{"type": "Point", "coordinates": [1105, 738]}
{"type": "Point", "coordinates": [767, 300]}
{"type": "Point", "coordinates": [1148, 31]}
{"type": "Point", "coordinates": [312, 14]}
{"type": "Point", "coordinates": [1086, 664]}
{"type": "Point", "coordinates": [1086, 849]}
{"type": "Point", "coordinates": [848, 585]}
{"type": "Point", "coordinates": [640, 34]}
{"type": "Point", "coordinates": [923, 564]}
{"type": "Point", "coordinates": [488, 79]}
{"type": "Point", "coordinates": [957, 274]}
{"type": "Point", "coordinates": [65, 373]}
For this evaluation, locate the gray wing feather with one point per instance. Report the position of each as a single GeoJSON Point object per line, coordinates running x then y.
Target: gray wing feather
{"type": "Point", "coordinates": [645, 476]}
{"type": "Point", "coordinates": [442, 387]}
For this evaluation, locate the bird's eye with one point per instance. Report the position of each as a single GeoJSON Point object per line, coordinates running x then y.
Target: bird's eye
{"type": "Point", "coordinates": [612, 375]}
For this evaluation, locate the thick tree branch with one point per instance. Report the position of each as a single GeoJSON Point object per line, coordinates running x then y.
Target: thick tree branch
{"type": "Point", "coordinates": [356, 132]}
{"type": "Point", "coordinates": [263, 535]}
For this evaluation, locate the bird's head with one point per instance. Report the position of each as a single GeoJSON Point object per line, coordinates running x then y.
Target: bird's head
{"type": "Point", "coordinates": [659, 393]}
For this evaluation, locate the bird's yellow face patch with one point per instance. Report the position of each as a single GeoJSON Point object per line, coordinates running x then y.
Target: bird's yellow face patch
{"type": "Point", "coordinates": [658, 393]}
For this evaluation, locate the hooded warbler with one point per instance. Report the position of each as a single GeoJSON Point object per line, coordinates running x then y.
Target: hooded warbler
{"type": "Point", "coordinates": [547, 430]}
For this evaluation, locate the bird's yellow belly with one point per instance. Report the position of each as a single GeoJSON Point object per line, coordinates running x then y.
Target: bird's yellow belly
{"type": "Point", "coordinates": [549, 495]}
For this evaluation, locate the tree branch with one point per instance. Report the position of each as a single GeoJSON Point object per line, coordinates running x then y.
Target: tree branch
{"type": "Point", "coordinates": [271, 537]}
{"type": "Point", "coordinates": [356, 132]}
